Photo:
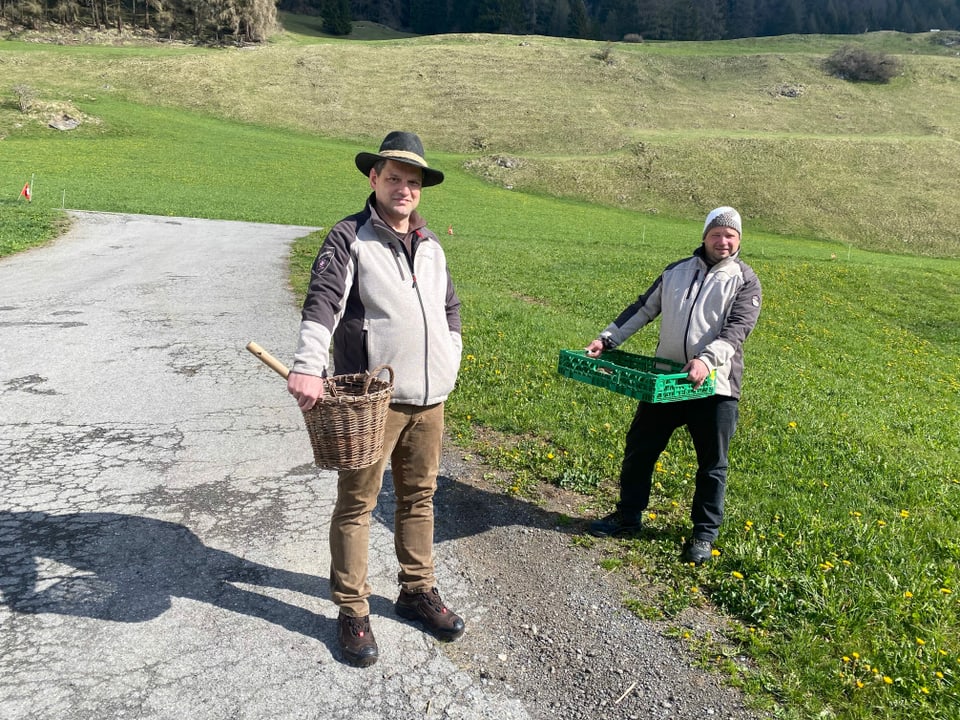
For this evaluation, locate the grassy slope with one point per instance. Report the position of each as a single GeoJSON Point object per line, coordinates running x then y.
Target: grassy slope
{"type": "Point", "coordinates": [852, 394]}
{"type": "Point", "coordinates": [670, 128]}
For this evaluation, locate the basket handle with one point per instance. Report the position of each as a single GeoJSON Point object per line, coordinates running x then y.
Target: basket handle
{"type": "Point", "coordinates": [373, 373]}
{"type": "Point", "coordinates": [268, 359]}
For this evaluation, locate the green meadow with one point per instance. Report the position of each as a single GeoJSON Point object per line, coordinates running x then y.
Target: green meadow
{"type": "Point", "coordinates": [575, 172]}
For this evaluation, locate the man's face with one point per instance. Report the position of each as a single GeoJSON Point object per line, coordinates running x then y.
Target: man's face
{"type": "Point", "coordinates": [397, 188]}
{"type": "Point", "coordinates": [720, 243]}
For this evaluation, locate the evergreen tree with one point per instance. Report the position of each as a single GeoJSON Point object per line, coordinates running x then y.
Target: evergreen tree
{"type": "Point", "coordinates": [578, 25]}
{"type": "Point", "coordinates": [336, 17]}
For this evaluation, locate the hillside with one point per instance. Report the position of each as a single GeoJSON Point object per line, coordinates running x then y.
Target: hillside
{"type": "Point", "coordinates": [666, 128]}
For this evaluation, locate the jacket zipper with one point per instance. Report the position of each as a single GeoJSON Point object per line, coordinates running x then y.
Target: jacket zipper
{"type": "Point", "coordinates": [396, 257]}
{"type": "Point", "coordinates": [423, 310]}
{"type": "Point", "coordinates": [686, 330]}
{"type": "Point", "coordinates": [426, 344]}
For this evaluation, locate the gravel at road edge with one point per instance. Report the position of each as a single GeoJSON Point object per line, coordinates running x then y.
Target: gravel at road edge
{"type": "Point", "coordinates": [546, 624]}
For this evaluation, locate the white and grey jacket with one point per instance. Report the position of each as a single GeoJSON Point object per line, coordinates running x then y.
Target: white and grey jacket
{"type": "Point", "coordinates": [380, 305]}
{"type": "Point", "coordinates": [706, 312]}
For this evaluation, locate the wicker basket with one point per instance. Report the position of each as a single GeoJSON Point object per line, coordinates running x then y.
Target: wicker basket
{"type": "Point", "coordinates": [346, 425]}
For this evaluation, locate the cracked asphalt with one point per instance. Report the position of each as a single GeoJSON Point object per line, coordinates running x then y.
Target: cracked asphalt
{"type": "Point", "coordinates": [163, 532]}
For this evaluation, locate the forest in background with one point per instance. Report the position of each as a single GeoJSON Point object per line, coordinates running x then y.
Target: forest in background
{"type": "Point", "coordinates": [651, 19]}
{"type": "Point", "coordinates": [636, 20]}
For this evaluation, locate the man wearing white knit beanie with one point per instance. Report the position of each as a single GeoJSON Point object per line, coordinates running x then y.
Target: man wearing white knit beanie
{"type": "Point", "coordinates": [708, 304]}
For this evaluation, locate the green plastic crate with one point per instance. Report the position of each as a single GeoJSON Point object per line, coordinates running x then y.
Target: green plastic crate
{"type": "Point", "coordinates": [650, 379]}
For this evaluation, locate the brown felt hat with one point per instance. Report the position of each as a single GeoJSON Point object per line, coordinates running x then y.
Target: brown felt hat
{"type": "Point", "coordinates": [404, 147]}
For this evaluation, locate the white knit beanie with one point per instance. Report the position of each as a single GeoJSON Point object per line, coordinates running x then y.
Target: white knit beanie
{"type": "Point", "coordinates": [723, 217]}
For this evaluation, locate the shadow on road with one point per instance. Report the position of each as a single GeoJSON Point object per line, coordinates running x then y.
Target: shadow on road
{"type": "Point", "coordinates": [462, 510]}
{"type": "Point", "coordinates": [127, 568]}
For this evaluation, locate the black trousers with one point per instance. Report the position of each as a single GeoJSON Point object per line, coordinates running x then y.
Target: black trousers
{"type": "Point", "coordinates": [711, 423]}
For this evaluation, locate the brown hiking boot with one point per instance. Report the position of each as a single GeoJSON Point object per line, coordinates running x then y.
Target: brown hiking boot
{"type": "Point", "coordinates": [356, 640]}
{"type": "Point", "coordinates": [428, 609]}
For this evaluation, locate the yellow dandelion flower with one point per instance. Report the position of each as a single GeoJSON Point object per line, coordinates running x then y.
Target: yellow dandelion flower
{"type": "Point", "coordinates": [694, 589]}
{"type": "Point", "coordinates": [856, 656]}
{"type": "Point", "coordinates": [855, 513]}
{"type": "Point", "coordinates": [939, 675]}
{"type": "Point", "coordinates": [674, 503]}
{"type": "Point", "coordinates": [921, 641]}
{"type": "Point", "coordinates": [946, 591]}
{"type": "Point", "coordinates": [859, 684]}
{"type": "Point", "coordinates": [907, 594]}
{"type": "Point", "coordinates": [904, 513]}
{"type": "Point", "coordinates": [715, 553]}
{"type": "Point", "coordinates": [737, 575]}
{"type": "Point", "coordinates": [942, 652]}
{"type": "Point", "coordinates": [881, 523]}
{"type": "Point", "coordinates": [652, 516]}
{"type": "Point", "coordinates": [925, 690]}
{"type": "Point", "coordinates": [846, 658]}
{"type": "Point", "coordinates": [888, 680]}
{"type": "Point", "coordinates": [549, 456]}
{"type": "Point", "coordinates": [791, 424]}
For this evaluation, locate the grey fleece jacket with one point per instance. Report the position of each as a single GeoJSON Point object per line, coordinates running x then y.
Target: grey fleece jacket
{"type": "Point", "coordinates": [706, 312]}
{"type": "Point", "coordinates": [380, 305]}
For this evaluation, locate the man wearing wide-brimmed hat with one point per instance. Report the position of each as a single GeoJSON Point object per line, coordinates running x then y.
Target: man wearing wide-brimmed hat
{"type": "Point", "coordinates": [381, 292]}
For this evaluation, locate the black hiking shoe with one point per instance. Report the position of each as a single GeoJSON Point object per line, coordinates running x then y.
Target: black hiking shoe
{"type": "Point", "coordinates": [428, 609]}
{"type": "Point", "coordinates": [697, 551]}
{"type": "Point", "coordinates": [356, 640]}
{"type": "Point", "coordinates": [615, 524]}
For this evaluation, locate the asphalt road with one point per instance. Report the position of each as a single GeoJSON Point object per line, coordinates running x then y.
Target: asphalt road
{"type": "Point", "coordinates": [163, 548]}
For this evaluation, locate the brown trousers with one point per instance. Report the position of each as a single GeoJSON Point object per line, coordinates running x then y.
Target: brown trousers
{"type": "Point", "coordinates": [412, 445]}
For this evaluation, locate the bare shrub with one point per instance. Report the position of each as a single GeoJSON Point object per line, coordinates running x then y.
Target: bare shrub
{"type": "Point", "coordinates": [605, 54]}
{"type": "Point", "coordinates": [861, 65]}
{"type": "Point", "coordinates": [26, 96]}
{"type": "Point", "coordinates": [633, 38]}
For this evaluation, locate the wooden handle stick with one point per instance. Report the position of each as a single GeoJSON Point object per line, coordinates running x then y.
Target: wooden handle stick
{"type": "Point", "coordinates": [268, 359]}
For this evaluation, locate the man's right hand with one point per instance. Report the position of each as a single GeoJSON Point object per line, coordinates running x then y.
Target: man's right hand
{"type": "Point", "coordinates": [307, 389]}
{"type": "Point", "coordinates": [595, 348]}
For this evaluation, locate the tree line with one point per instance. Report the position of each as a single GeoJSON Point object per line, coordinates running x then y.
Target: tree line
{"type": "Point", "coordinates": [647, 19]}
{"type": "Point", "coordinates": [254, 20]}
{"type": "Point", "coordinates": [201, 20]}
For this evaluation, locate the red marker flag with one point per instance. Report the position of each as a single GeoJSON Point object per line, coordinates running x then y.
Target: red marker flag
{"type": "Point", "coordinates": [25, 193]}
